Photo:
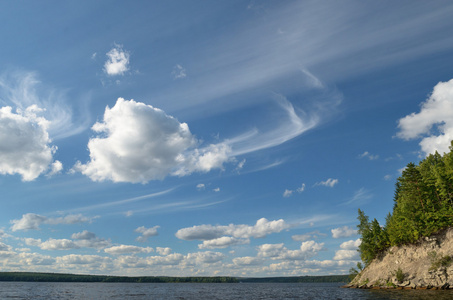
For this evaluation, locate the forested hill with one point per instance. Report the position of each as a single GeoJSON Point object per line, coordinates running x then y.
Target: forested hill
{"type": "Point", "coordinates": [57, 277]}
{"type": "Point", "coordinates": [423, 205]}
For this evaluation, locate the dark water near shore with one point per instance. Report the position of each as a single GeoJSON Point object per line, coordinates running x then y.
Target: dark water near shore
{"type": "Point", "coordinates": [192, 291]}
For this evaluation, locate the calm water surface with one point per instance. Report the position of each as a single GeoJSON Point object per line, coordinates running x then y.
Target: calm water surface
{"type": "Point", "coordinates": [54, 290]}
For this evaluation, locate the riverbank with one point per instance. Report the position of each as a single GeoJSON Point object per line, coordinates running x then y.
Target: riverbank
{"type": "Point", "coordinates": [427, 264]}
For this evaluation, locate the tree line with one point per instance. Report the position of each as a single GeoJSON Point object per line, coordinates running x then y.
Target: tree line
{"type": "Point", "coordinates": [59, 277]}
{"type": "Point", "coordinates": [423, 205]}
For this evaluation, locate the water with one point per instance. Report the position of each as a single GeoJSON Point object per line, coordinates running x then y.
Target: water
{"type": "Point", "coordinates": [211, 291]}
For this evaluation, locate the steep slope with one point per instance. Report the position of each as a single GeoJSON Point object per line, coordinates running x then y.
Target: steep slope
{"type": "Point", "coordinates": [425, 264]}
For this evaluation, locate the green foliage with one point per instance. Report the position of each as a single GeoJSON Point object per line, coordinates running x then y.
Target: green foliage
{"type": "Point", "coordinates": [359, 266]}
{"type": "Point", "coordinates": [353, 272]}
{"type": "Point", "coordinates": [439, 261]}
{"type": "Point", "coordinates": [374, 238]}
{"type": "Point", "coordinates": [399, 274]}
{"type": "Point", "coordinates": [423, 205]}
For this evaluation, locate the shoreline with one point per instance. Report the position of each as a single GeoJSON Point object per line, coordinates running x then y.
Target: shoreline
{"type": "Point", "coordinates": [398, 287]}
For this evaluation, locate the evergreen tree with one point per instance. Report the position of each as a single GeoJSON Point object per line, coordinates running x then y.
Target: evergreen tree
{"type": "Point", "coordinates": [423, 205]}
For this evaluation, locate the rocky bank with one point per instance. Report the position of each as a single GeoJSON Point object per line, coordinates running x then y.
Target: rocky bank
{"type": "Point", "coordinates": [428, 264]}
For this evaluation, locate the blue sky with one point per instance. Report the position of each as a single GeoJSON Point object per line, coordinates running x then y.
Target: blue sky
{"type": "Point", "coordinates": [212, 137]}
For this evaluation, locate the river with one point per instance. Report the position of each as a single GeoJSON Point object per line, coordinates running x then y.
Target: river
{"type": "Point", "coordinates": [212, 291]}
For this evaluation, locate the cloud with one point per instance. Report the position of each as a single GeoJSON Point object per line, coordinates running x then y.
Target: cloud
{"type": "Point", "coordinates": [4, 247]}
{"type": "Point", "coordinates": [31, 221]}
{"type": "Point", "coordinates": [349, 250]}
{"type": "Point", "coordinates": [288, 193]}
{"type": "Point", "coordinates": [279, 252]}
{"type": "Point", "coordinates": [360, 196]}
{"type": "Point", "coordinates": [146, 233]}
{"type": "Point", "coordinates": [301, 189]}
{"type": "Point", "coordinates": [270, 250]}
{"type": "Point", "coordinates": [163, 250]}
{"type": "Point", "coordinates": [117, 61]}
{"type": "Point", "coordinates": [307, 236]}
{"type": "Point", "coordinates": [435, 112]}
{"type": "Point", "coordinates": [94, 261]}
{"type": "Point", "coordinates": [346, 255]}
{"type": "Point", "coordinates": [216, 190]}
{"type": "Point", "coordinates": [329, 182]}
{"type": "Point", "coordinates": [25, 144]}
{"type": "Point", "coordinates": [293, 125]}
{"type": "Point", "coordinates": [262, 228]}
{"type": "Point", "coordinates": [342, 232]}
{"type": "Point", "coordinates": [207, 257]}
{"type": "Point", "coordinates": [201, 186]}
{"type": "Point", "coordinates": [56, 168]}
{"type": "Point", "coordinates": [248, 261]}
{"type": "Point", "coordinates": [178, 72]}
{"type": "Point", "coordinates": [58, 244]}
{"type": "Point", "coordinates": [124, 249]}
{"type": "Point", "coordinates": [89, 240]}
{"type": "Point", "coordinates": [223, 242]}
{"type": "Point", "coordinates": [169, 260]}
{"type": "Point", "coordinates": [46, 106]}
{"type": "Point", "coordinates": [351, 245]}
{"type": "Point", "coordinates": [139, 143]}
{"type": "Point", "coordinates": [368, 155]}
{"type": "Point", "coordinates": [240, 165]}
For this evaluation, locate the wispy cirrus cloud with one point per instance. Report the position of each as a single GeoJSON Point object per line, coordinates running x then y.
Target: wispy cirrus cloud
{"type": "Point", "coordinates": [23, 89]}
{"type": "Point", "coordinates": [360, 196]}
{"type": "Point", "coordinates": [368, 155]}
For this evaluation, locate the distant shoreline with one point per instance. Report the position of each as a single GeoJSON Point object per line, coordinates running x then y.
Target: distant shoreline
{"type": "Point", "coordinates": [61, 277]}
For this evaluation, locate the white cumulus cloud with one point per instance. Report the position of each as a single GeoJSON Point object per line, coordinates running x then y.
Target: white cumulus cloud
{"type": "Point", "coordinates": [262, 228]}
{"type": "Point", "coordinates": [24, 143]}
{"type": "Point", "coordinates": [344, 231]}
{"type": "Point", "coordinates": [124, 249]}
{"type": "Point", "coordinates": [280, 252]}
{"type": "Point", "coordinates": [435, 112]}
{"type": "Point", "coordinates": [89, 240]}
{"type": "Point", "coordinates": [31, 221]}
{"type": "Point", "coordinates": [348, 250]}
{"type": "Point", "coordinates": [208, 257]}
{"type": "Point", "coordinates": [139, 143]}
{"type": "Point", "coordinates": [117, 61]}
{"type": "Point", "coordinates": [223, 242]}
{"type": "Point", "coordinates": [146, 233]}
{"type": "Point", "coordinates": [248, 261]}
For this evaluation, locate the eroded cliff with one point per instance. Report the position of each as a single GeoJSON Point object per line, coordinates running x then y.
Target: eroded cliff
{"type": "Point", "coordinates": [425, 264]}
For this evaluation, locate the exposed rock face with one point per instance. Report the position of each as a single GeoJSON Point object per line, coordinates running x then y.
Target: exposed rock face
{"type": "Point", "coordinates": [426, 264]}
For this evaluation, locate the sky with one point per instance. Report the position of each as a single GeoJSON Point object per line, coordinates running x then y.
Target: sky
{"type": "Point", "coordinates": [212, 138]}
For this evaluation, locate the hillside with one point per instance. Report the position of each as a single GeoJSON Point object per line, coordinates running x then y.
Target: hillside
{"type": "Point", "coordinates": [427, 264]}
